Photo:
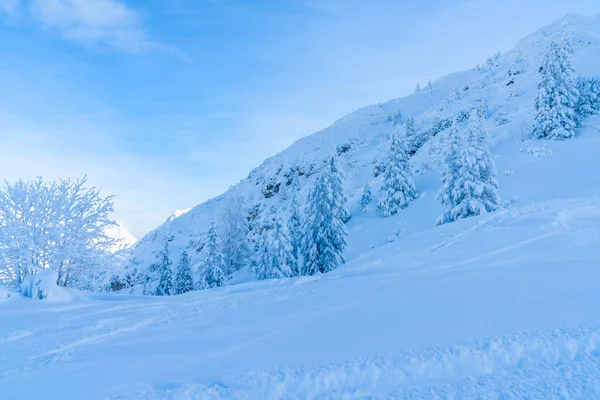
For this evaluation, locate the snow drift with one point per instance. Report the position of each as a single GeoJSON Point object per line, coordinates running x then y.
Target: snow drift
{"type": "Point", "coordinates": [42, 286]}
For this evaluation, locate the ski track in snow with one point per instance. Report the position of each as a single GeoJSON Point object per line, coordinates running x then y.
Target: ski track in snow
{"type": "Point", "coordinates": [16, 336]}
{"type": "Point", "coordinates": [99, 338]}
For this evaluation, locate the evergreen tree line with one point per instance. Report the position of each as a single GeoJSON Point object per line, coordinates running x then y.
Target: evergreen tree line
{"type": "Point", "coordinates": [310, 241]}
{"type": "Point", "coordinates": [468, 177]}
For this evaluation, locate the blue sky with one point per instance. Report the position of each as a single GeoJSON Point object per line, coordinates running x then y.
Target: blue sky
{"type": "Point", "coordinates": [166, 103]}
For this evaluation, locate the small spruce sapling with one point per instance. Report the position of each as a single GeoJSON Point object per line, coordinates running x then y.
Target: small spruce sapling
{"type": "Point", "coordinates": [214, 263]}
{"type": "Point", "coordinates": [184, 281]}
{"type": "Point", "coordinates": [398, 189]}
{"type": "Point", "coordinates": [165, 283]}
{"type": "Point", "coordinates": [366, 198]}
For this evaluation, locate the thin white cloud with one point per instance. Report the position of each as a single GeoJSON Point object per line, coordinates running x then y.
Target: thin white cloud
{"type": "Point", "coordinates": [108, 22]}
{"type": "Point", "coordinates": [10, 7]}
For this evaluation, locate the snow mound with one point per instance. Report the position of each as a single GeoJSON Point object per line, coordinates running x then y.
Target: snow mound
{"type": "Point", "coordinates": [41, 285]}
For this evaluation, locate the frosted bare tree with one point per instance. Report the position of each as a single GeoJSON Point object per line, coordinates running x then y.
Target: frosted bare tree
{"type": "Point", "coordinates": [57, 225]}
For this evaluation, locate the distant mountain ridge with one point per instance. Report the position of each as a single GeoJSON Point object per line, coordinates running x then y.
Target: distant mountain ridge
{"type": "Point", "coordinates": [125, 238]}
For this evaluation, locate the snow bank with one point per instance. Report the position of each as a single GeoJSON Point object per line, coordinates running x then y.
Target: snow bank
{"type": "Point", "coordinates": [471, 369]}
{"type": "Point", "coordinates": [41, 285]}
{"type": "Point", "coordinates": [4, 293]}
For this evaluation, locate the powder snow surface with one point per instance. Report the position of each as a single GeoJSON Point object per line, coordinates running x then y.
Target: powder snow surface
{"type": "Point", "coordinates": [501, 306]}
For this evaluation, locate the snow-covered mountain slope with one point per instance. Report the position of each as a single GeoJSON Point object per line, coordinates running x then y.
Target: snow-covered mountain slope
{"type": "Point", "coordinates": [178, 213]}
{"type": "Point", "coordinates": [505, 85]}
{"type": "Point", "coordinates": [125, 238]}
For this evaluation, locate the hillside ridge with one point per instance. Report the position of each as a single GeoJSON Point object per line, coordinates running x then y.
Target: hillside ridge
{"type": "Point", "coordinates": [503, 85]}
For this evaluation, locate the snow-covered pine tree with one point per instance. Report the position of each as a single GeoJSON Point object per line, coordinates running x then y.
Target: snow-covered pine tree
{"type": "Point", "coordinates": [336, 179]}
{"type": "Point", "coordinates": [483, 111]}
{"type": "Point", "coordinates": [588, 103]}
{"type": "Point", "coordinates": [557, 95]}
{"type": "Point", "coordinates": [202, 282]}
{"type": "Point", "coordinates": [413, 140]}
{"type": "Point", "coordinates": [469, 177]}
{"type": "Point", "coordinates": [398, 189]}
{"type": "Point", "coordinates": [165, 283]}
{"type": "Point", "coordinates": [276, 257]}
{"type": "Point", "coordinates": [366, 198]}
{"type": "Point", "coordinates": [451, 165]}
{"type": "Point", "coordinates": [184, 281]}
{"type": "Point", "coordinates": [146, 280]}
{"type": "Point", "coordinates": [214, 263]}
{"type": "Point", "coordinates": [295, 230]}
{"type": "Point", "coordinates": [324, 230]}
{"type": "Point", "coordinates": [418, 88]}
{"type": "Point", "coordinates": [236, 248]}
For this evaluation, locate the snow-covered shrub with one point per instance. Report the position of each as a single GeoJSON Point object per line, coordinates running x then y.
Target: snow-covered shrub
{"type": "Point", "coordinates": [343, 148]}
{"type": "Point", "coordinates": [423, 168]}
{"type": "Point", "coordinates": [501, 119]}
{"type": "Point", "coordinates": [39, 286]}
{"type": "Point", "coordinates": [508, 202]}
{"type": "Point", "coordinates": [394, 118]}
{"type": "Point", "coordinates": [454, 96]}
{"type": "Point", "coordinates": [378, 170]}
{"type": "Point", "coordinates": [440, 125]}
{"type": "Point", "coordinates": [514, 92]}
{"type": "Point", "coordinates": [539, 151]}
{"type": "Point", "coordinates": [514, 70]}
